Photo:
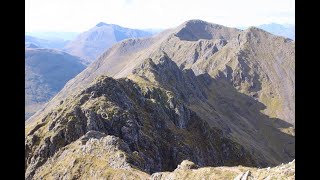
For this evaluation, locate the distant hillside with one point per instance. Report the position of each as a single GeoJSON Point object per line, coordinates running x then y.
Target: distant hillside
{"type": "Point", "coordinates": [54, 35]}
{"type": "Point", "coordinates": [46, 72]}
{"type": "Point", "coordinates": [90, 44]}
{"type": "Point", "coordinates": [280, 30]}
{"type": "Point", "coordinates": [44, 43]}
{"type": "Point", "coordinates": [30, 45]}
{"type": "Point", "coordinates": [285, 30]}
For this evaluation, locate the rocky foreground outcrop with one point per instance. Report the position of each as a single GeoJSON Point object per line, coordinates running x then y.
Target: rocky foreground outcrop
{"type": "Point", "coordinates": [283, 171]}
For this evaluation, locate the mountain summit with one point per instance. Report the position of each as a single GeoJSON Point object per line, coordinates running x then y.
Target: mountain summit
{"type": "Point", "coordinates": [194, 30]}
{"type": "Point", "coordinates": [202, 92]}
{"type": "Point", "coordinates": [101, 24]}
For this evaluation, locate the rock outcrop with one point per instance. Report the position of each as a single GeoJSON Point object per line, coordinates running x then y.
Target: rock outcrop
{"type": "Point", "coordinates": [284, 171]}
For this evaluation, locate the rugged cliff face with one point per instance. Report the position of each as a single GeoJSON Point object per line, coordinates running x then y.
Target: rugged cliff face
{"type": "Point", "coordinates": [144, 107]}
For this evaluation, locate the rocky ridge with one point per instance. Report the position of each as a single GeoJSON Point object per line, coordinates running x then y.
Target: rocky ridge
{"type": "Point", "coordinates": [150, 112]}
{"type": "Point", "coordinates": [219, 107]}
{"type": "Point", "coordinates": [158, 130]}
{"type": "Point", "coordinates": [264, 71]}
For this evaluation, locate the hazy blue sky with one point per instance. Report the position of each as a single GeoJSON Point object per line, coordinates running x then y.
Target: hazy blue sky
{"type": "Point", "coordinates": [80, 15]}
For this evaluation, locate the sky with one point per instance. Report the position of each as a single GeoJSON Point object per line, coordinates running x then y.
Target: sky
{"type": "Point", "coordinates": [81, 15]}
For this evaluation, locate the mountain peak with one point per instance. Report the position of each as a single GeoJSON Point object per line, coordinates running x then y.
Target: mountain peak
{"type": "Point", "coordinates": [101, 24]}
{"type": "Point", "coordinates": [256, 31]}
{"type": "Point", "coordinates": [99, 38]}
{"type": "Point", "coordinates": [253, 28]}
{"type": "Point", "coordinates": [195, 21]}
{"type": "Point", "coordinates": [31, 45]}
{"type": "Point", "coordinates": [198, 22]}
{"type": "Point", "coordinates": [193, 30]}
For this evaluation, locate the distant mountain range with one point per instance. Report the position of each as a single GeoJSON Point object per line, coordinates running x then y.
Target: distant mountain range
{"type": "Point", "coordinates": [65, 36]}
{"type": "Point", "coordinates": [202, 92]}
{"type": "Point", "coordinates": [48, 68]}
{"type": "Point", "coordinates": [30, 45]}
{"type": "Point", "coordinates": [285, 30]}
{"type": "Point", "coordinates": [91, 44]}
{"type": "Point", "coordinates": [46, 72]}
{"type": "Point", "coordinates": [45, 43]}
{"type": "Point", "coordinates": [153, 30]}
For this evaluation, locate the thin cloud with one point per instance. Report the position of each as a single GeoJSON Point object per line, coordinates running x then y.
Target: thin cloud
{"type": "Point", "coordinates": [80, 15]}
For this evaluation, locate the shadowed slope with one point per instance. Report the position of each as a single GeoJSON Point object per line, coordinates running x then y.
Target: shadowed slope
{"type": "Point", "coordinates": [46, 72]}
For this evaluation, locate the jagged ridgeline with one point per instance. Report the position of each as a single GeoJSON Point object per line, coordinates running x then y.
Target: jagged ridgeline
{"type": "Point", "coordinates": [214, 95]}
